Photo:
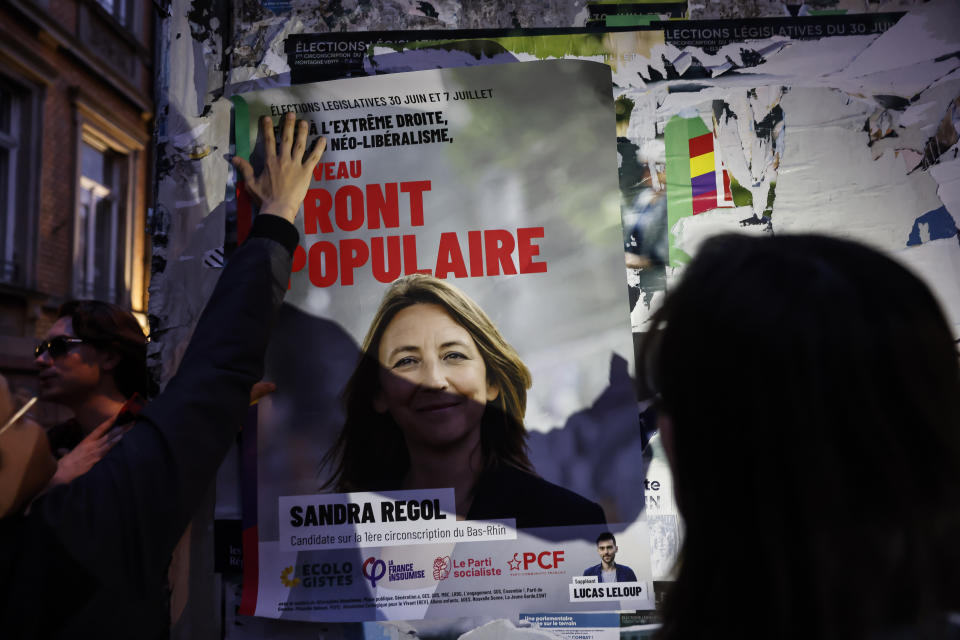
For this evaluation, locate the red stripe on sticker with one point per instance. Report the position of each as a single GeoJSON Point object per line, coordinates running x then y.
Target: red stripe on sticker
{"type": "Point", "coordinates": [701, 145]}
{"type": "Point", "coordinates": [705, 202]}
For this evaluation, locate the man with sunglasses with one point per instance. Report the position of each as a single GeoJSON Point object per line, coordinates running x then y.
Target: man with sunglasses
{"type": "Point", "coordinates": [90, 557]}
{"type": "Point", "coordinates": [93, 361]}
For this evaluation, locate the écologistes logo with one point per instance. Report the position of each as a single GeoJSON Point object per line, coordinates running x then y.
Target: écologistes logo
{"type": "Point", "coordinates": [314, 575]}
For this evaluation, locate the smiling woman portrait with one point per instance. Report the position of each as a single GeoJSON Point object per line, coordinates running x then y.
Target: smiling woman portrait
{"type": "Point", "coordinates": [437, 401]}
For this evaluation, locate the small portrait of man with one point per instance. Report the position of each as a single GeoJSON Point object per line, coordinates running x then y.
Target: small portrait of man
{"type": "Point", "coordinates": [608, 570]}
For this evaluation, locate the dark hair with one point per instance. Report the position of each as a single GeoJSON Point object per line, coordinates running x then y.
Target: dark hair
{"type": "Point", "coordinates": [606, 535]}
{"type": "Point", "coordinates": [370, 453]}
{"type": "Point", "coordinates": [112, 328]}
{"type": "Point", "coordinates": [813, 389]}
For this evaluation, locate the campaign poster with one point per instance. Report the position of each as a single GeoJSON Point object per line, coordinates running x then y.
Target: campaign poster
{"type": "Point", "coordinates": [455, 424]}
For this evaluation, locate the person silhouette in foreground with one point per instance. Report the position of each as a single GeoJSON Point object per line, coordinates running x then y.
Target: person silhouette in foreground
{"type": "Point", "coordinates": [810, 408]}
{"type": "Point", "coordinates": [90, 557]}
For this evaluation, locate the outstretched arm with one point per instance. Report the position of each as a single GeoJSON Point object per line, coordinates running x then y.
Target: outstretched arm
{"type": "Point", "coordinates": [121, 520]}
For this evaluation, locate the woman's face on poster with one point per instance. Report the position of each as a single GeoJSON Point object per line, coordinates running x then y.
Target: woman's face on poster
{"type": "Point", "coordinates": [433, 380]}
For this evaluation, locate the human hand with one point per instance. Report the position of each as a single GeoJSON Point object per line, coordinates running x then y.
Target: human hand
{"type": "Point", "coordinates": [283, 183]}
{"type": "Point", "coordinates": [89, 452]}
{"type": "Point", "coordinates": [261, 390]}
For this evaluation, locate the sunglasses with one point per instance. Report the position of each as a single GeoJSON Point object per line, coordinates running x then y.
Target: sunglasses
{"type": "Point", "coordinates": [57, 347]}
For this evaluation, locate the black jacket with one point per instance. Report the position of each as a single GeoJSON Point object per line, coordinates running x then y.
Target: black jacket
{"type": "Point", "coordinates": [507, 492]}
{"type": "Point", "coordinates": [90, 559]}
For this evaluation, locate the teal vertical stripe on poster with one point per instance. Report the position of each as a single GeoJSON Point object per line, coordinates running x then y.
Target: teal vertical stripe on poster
{"type": "Point", "coordinates": [241, 127]}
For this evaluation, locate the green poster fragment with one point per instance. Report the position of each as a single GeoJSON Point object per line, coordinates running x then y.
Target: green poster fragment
{"type": "Point", "coordinates": [241, 127]}
{"type": "Point", "coordinates": [542, 47]}
{"type": "Point", "coordinates": [742, 197]}
{"type": "Point", "coordinates": [631, 20]}
{"type": "Point", "coordinates": [677, 136]}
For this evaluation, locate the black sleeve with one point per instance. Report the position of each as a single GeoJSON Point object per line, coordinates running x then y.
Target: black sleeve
{"type": "Point", "coordinates": [122, 519]}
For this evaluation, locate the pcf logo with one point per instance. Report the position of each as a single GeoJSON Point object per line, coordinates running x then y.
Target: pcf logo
{"type": "Point", "coordinates": [529, 561]}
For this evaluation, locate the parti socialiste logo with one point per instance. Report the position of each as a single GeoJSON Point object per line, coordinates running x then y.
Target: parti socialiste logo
{"type": "Point", "coordinates": [441, 568]}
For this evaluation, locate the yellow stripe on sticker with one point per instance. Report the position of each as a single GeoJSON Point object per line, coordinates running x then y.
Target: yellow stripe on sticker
{"type": "Point", "coordinates": [702, 164]}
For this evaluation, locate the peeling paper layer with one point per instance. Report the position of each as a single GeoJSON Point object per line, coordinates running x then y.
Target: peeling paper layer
{"type": "Point", "coordinates": [938, 263]}
{"type": "Point", "coordinates": [861, 124]}
{"type": "Point", "coordinates": [830, 182]}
